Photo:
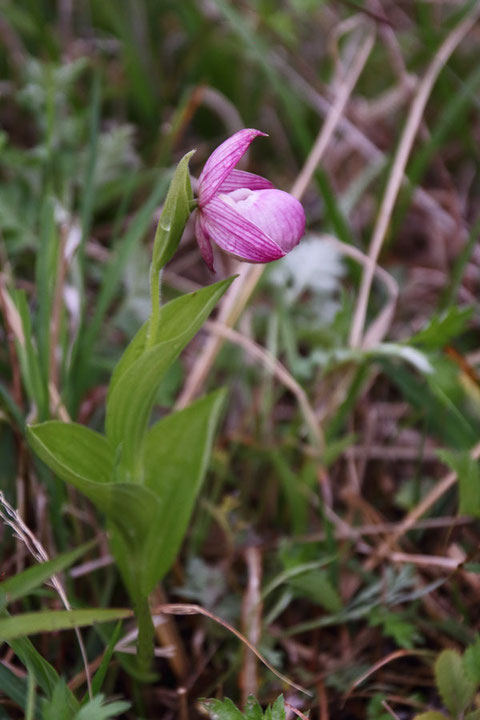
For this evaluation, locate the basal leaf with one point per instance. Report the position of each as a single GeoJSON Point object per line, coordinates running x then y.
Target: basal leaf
{"type": "Point", "coordinates": [73, 452]}
{"type": "Point", "coordinates": [176, 455]}
{"type": "Point", "coordinates": [130, 508]}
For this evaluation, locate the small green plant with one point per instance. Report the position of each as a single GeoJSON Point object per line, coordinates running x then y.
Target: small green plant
{"type": "Point", "coordinates": [457, 678]}
{"type": "Point", "coordinates": [226, 710]}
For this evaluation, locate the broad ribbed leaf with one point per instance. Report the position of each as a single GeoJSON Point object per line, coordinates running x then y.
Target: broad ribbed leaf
{"type": "Point", "coordinates": [177, 451]}
{"type": "Point", "coordinates": [74, 452]}
{"type": "Point", "coordinates": [130, 508]}
{"type": "Point", "coordinates": [136, 379]}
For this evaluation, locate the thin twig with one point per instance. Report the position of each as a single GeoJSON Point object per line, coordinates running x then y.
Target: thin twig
{"type": "Point", "coordinates": [279, 370]}
{"type": "Point", "coordinates": [362, 143]}
{"type": "Point", "coordinates": [188, 609]}
{"type": "Point", "coordinates": [396, 176]}
{"type": "Point", "coordinates": [414, 515]}
{"type": "Point", "coordinates": [344, 91]}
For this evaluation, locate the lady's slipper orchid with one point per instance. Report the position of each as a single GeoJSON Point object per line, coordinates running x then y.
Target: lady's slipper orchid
{"type": "Point", "coordinates": [243, 213]}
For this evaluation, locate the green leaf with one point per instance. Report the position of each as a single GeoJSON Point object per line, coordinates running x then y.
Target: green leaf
{"type": "Point", "coordinates": [276, 711]}
{"type": "Point", "coordinates": [136, 378]}
{"type": "Point", "coordinates": [455, 688]}
{"type": "Point", "coordinates": [317, 587]}
{"type": "Point", "coordinates": [84, 459]}
{"type": "Point", "coordinates": [26, 581]}
{"type": "Point", "coordinates": [61, 705]}
{"type": "Point", "coordinates": [253, 710]}
{"type": "Point", "coordinates": [226, 710]}
{"type": "Point", "coordinates": [100, 709]}
{"type": "Point", "coordinates": [396, 626]}
{"type": "Point", "coordinates": [474, 715]}
{"type": "Point", "coordinates": [45, 675]}
{"type": "Point", "coordinates": [74, 452]}
{"type": "Point", "coordinates": [442, 329]}
{"type": "Point", "coordinates": [471, 661]}
{"type": "Point", "coordinates": [99, 677]}
{"type": "Point", "coordinates": [431, 715]}
{"type": "Point", "coordinates": [13, 686]}
{"type": "Point", "coordinates": [175, 476]}
{"type": "Point", "coordinates": [28, 357]}
{"type": "Point", "coordinates": [24, 624]}
{"type": "Point", "coordinates": [222, 710]}
{"type": "Point", "coordinates": [175, 213]}
{"type": "Point", "coordinates": [468, 473]}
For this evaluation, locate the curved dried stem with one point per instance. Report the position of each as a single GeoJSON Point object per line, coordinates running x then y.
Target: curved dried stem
{"type": "Point", "coordinates": [280, 372]}
{"type": "Point", "coordinates": [396, 176]}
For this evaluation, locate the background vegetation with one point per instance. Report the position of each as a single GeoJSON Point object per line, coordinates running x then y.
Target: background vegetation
{"type": "Point", "coordinates": [337, 527]}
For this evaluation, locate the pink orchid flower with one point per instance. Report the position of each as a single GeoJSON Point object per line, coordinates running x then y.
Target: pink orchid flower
{"type": "Point", "coordinates": [243, 213]}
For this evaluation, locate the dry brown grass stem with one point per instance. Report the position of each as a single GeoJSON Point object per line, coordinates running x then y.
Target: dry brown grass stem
{"type": "Point", "coordinates": [251, 622]}
{"type": "Point", "coordinates": [169, 637]}
{"type": "Point", "coordinates": [11, 517]}
{"type": "Point", "coordinates": [189, 609]}
{"type": "Point", "coordinates": [345, 88]}
{"type": "Point", "coordinates": [379, 327]}
{"type": "Point", "coordinates": [398, 169]}
{"type": "Point", "coordinates": [383, 528]}
{"type": "Point", "coordinates": [277, 369]}
{"type": "Point", "coordinates": [239, 294]}
{"type": "Point", "coordinates": [363, 145]}
{"type": "Point", "coordinates": [420, 560]}
{"type": "Point", "coordinates": [414, 515]}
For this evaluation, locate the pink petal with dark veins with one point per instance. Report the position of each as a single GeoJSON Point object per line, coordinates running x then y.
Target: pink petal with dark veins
{"type": "Point", "coordinates": [277, 213]}
{"type": "Point", "coordinates": [237, 235]}
{"type": "Point", "coordinates": [222, 161]}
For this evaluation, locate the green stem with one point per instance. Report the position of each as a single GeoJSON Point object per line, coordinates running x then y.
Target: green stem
{"type": "Point", "coordinates": [155, 279]}
{"type": "Point", "coordinates": [146, 635]}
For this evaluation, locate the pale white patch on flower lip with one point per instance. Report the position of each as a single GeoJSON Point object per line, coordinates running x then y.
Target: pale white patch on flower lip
{"type": "Point", "coordinates": [243, 213]}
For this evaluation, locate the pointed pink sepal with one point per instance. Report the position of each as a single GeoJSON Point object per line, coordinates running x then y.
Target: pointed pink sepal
{"type": "Point", "coordinates": [222, 161]}
{"type": "Point", "coordinates": [204, 241]}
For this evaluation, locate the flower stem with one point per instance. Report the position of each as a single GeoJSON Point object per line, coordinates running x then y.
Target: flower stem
{"type": "Point", "coordinates": [146, 634]}
{"type": "Point", "coordinates": [155, 282]}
